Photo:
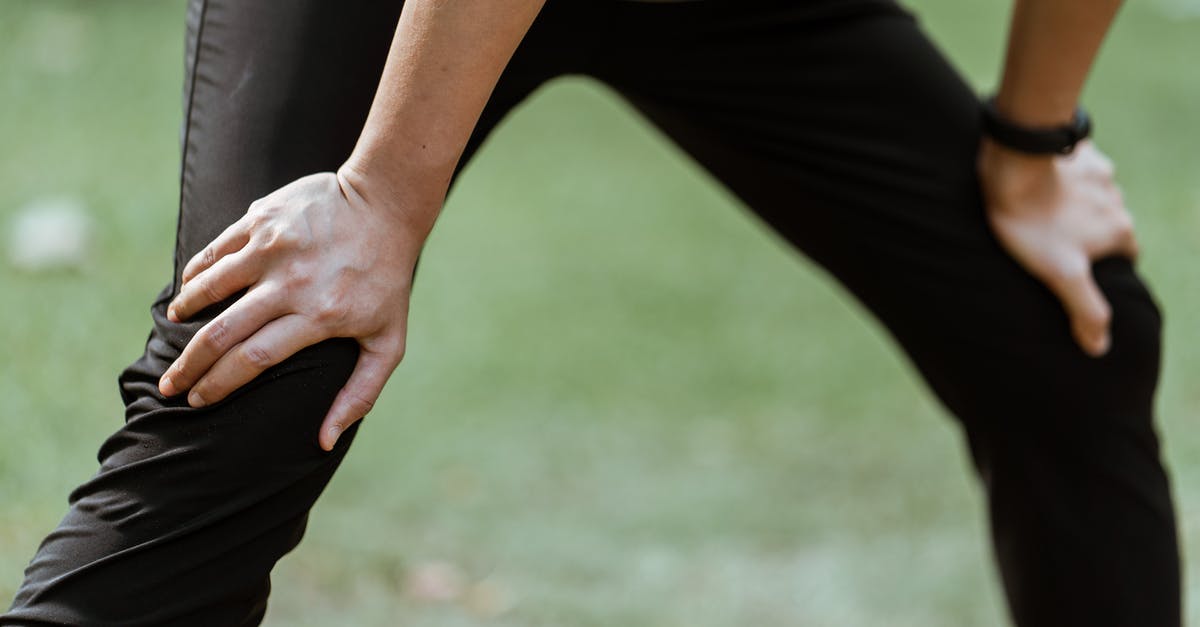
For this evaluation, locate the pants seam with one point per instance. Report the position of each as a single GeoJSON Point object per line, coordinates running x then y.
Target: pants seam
{"type": "Point", "coordinates": [187, 136]}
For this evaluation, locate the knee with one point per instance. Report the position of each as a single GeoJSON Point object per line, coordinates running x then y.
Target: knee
{"type": "Point", "coordinates": [1137, 323]}
{"type": "Point", "coordinates": [224, 488]}
{"type": "Point", "coordinates": [287, 396]}
{"type": "Point", "coordinates": [273, 419]}
{"type": "Point", "coordinates": [1008, 360]}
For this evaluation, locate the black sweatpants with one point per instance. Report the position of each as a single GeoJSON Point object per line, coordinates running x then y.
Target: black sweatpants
{"type": "Point", "coordinates": [836, 121]}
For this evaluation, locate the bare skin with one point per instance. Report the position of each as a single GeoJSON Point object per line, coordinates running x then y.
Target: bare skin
{"type": "Point", "coordinates": [332, 254]}
{"type": "Point", "coordinates": [1055, 215]}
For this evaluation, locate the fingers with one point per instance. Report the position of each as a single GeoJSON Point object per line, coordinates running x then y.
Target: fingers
{"type": "Point", "coordinates": [1099, 162]}
{"type": "Point", "coordinates": [1109, 230]}
{"type": "Point", "coordinates": [231, 240]}
{"type": "Point", "coordinates": [1087, 309]}
{"type": "Point", "coordinates": [1124, 240]}
{"type": "Point", "coordinates": [1125, 243]}
{"type": "Point", "coordinates": [358, 396]}
{"type": "Point", "coordinates": [219, 281]}
{"type": "Point", "coordinates": [245, 316]}
{"type": "Point", "coordinates": [279, 339]}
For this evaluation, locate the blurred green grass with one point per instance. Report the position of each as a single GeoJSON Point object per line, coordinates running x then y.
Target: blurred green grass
{"type": "Point", "coordinates": [581, 420]}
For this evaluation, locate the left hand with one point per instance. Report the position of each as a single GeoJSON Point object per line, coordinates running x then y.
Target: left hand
{"type": "Point", "coordinates": [1055, 215]}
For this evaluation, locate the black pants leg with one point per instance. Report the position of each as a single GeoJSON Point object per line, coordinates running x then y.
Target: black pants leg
{"type": "Point", "coordinates": [835, 121]}
{"type": "Point", "coordinates": [840, 126]}
{"type": "Point", "coordinates": [191, 508]}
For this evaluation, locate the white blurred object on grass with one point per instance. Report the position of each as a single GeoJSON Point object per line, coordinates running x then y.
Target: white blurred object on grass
{"type": "Point", "coordinates": [50, 234]}
{"type": "Point", "coordinates": [1179, 9]}
{"type": "Point", "coordinates": [57, 39]}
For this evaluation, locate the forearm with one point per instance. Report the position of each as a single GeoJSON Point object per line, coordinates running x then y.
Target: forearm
{"type": "Point", "coordinates": [1051, 47]}
{"type": "Point", "coordinates": [1056, 215]}
{"type": "Point", "coordinates": [445, 59]}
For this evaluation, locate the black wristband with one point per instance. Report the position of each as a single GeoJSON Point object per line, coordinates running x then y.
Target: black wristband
{"type": "Point", "coordinates": [1031, 139]}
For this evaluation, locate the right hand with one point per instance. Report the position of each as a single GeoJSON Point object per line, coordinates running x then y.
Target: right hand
{"type": "Point", "coordinates": [321, 257]}
{"type": "Point", "coordinates": [1055, 215]}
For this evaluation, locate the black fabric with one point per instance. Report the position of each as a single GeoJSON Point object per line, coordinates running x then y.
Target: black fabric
{"type": "Point", "coordinates": [835, 121]}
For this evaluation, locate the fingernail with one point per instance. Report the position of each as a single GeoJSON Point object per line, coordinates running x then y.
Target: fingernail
{"type": "Point", "coordinates": [172, 315]}
{"type": "Point", "coordinates": [334, 432]}
{"type": "Point", "coordinates": [166, 386]}
{"type": "Point", "coordinates": [195, 400]}
{"type": "Point", "coordinates": [1103, 345]}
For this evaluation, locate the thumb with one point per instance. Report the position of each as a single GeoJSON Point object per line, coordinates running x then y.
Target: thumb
{"type": "Point", "coordinates": [1087, 309]}
{"type": "Point", "coordinates": [357, 397]}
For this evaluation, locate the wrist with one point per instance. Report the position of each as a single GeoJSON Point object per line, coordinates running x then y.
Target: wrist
{"type": "Point", "coordinates": [1018, 134]}
{"type": "Point", "coordinates": [1007, 173]}
{"type": "Point", "coordinates": [1045, 108]}
{"type": "Point", "coordinates": [413, 201]}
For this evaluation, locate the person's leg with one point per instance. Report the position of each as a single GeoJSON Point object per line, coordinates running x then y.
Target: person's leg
{"type": "Point", "coordinates": [843, 128]}
{"type": "Point", "coordinates": [191, 508]}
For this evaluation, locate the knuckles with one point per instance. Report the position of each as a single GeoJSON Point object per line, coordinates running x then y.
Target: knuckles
{"type": "Point", "coordinates": [263, 208]}
{"type": "Point", "coordinates": [215, 336]}
{"type": "Point", "coordinates": [208, 256]}
{"type": "Point", "coordinates": [394, 346]}
{"type": "Point", "coordinates": [209, 290]}
{"type": "Point", "coordinates": [256, 357]}
{"type": "Point", "coordinates": [358, 404]}
{"type": "Point", "coordinates": [278, 239]}
{"type": "Point", "coordinates": [332, 311]}
{"type": "Point", "coordinates": [203, 259]}
{"type": "Point", "coordinates": [296, 279]}
{"type": "Point", "coordinates": [1104, 166]}
{"type": "Point", "coordinates": [258, 218]}
{"type": "Point", "coordinates": [1123, 225]}
{"type": "Point", "coordinates": [1066, 269]}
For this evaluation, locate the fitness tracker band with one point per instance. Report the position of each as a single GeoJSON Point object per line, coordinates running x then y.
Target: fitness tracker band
{"type": "Point", "coordinates": [1031, 139]}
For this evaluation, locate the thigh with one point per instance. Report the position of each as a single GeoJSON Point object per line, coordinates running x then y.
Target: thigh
{"type": "Point", "coordinates": [276, 90]}
{"type": "Point", "coordinates": [191, 508]}
{"type": "Point", "coordinates": [842, 127]}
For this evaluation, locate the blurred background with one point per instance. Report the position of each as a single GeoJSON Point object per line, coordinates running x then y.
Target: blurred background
{"type": "Point", "coordinates": [584, 431]}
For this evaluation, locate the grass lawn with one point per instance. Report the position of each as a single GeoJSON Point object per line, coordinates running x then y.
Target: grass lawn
{"type": "Point", "coordinates": [586, 429]}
